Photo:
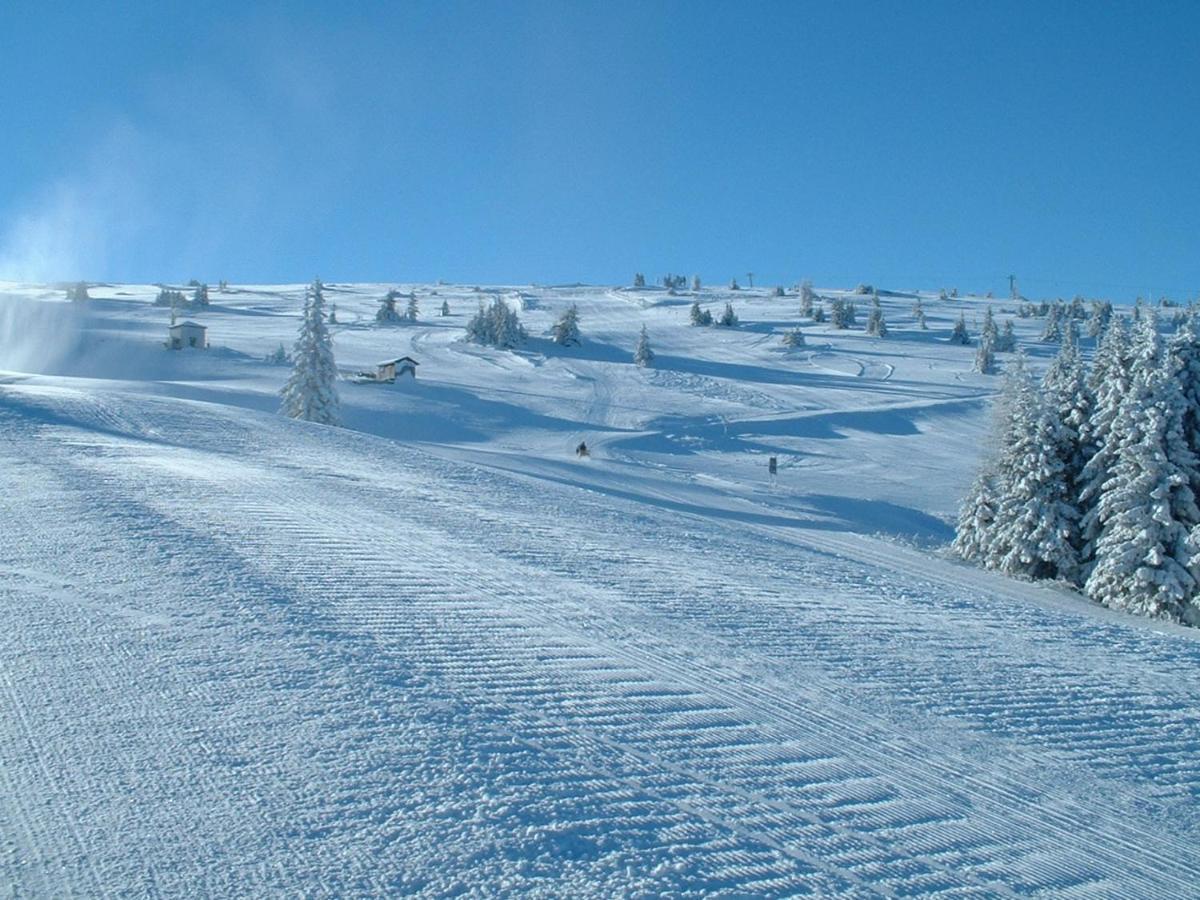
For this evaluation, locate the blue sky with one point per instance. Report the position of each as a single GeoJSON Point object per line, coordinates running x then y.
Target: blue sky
{"type": "Point", "coordinates": [906, 144]}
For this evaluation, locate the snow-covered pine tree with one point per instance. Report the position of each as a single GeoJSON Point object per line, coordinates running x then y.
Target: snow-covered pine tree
{"type": "Point", "coordinates": [507, 329]}
{"type": "Point", "coordinates": [695, 283]}
{"type": "Point", "coordinates": [807, 297]}
{"type": "Point", "coordinates": [639, 280]}
{"type": "Point", "coordinates": [733, 285]}
{"type": "Point", "coordinates": [479, 327]}
{"type": "Point", "coordinates": [566, 329]}
{"type": "Point", "coordinates": [960, 335]}
{"type": "Point", "coordinates": [977, 516]}
{"type": "Point", "coordinates": [413, 309]}
{"type": "Point", "coordinates": [1108, 383]}
{"type": "Point", "coordinates": [333, 314]}
{"type": "Point", "coordinates": [876, 323]}
{"type": "Point", "coordinates": [642, 354]}
{"type": "Point", "coordinates": [819, 313]}
{"type": "Point", "coordinates": [78, 293]}
{"type": "Point", "coordinates": [311, 391]}
{"type": "Point", "coordinates": [699, 316]}
{"type": "Point", "coordinates": [988, 330]}
{"type": "Point", "coordinates": [200, 296]}
{"type": "Point", "coordinates": [1066, 391]}
{"type": "Point", "coordinates": [1099, 318]}
{"type": "Point", "coordinates": [1037, 519]}
{"type": "Point", "coordinates": [728, 317]}
{"type": "Point", "coordinates": [985, 357]}
{"type": "Point", "coordinates": [1052, 332]}
{"type": "Point", "coordinates": [794, 338]}
{"type": "Point", "coordinates": [1184, 349]}
{"type": "Point", "coordinates": [445, 310]}
{"type": "Point", "coordinates": [918, 313]}
{"type": "Point", "coordinates": [1147, 509]}
{"type": "Point", "coordinates": [1006, 342]}
{"type": "Point", "coordinates": [387, 314]}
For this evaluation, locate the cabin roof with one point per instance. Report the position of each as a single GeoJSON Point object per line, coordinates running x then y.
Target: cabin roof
{"type": "Point", "coordinates": [399, 359]}
{"type": "Point", "coordinates": [190, 324]}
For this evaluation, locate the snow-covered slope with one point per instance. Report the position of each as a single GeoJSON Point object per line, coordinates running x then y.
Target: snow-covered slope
{"type": "Point", "coordinates": [433, 652]}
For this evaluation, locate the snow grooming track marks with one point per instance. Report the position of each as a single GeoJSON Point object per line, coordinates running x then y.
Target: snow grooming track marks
{"type": "Point", "coordinates": [720, 744]}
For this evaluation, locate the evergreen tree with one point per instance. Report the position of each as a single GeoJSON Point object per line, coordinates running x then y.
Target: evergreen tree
{"type": "Point", "coordinates": [311, 391]}
{"type": "Point", "coordinates": [1108, 384]}
{"type": "Point", "coordinates": [918, 312]}
{"type": "Point", "coordinates": [333, 314]}
{"type": "Point", "coordinates": [200, 296]}
{"type": "Point", "coordinates": [793, 339]}
{"type": "Point", "coordinates": [639, 280]}
{"type": "Point", "coordinates": [642, 354]}
{"type": "Point", "coordinates": [413, 310]}
{"type": "Point", "coordinates": [1147, 510]}
{"type": "Point", "coordinates": [960, 335]}
{"type": "Point", "coordinates": [700, 316]}
{"type": "Point", "coordinates": [977, 516]}
{"type": "Point", "coordinates": [807, 297]}
{"type": "Point", "coordinates": [506, 327]}
{"type": "Point", "coordinates": [1037, 519]}
{"type": "Point", "coordinates": [566, 329]}
{"type": "Point", "coordinates": [479, 327]}
{"type": "Point", "coordinates": [445, 311]}
{"type": "Point", "coordinates": [728, 317]}
{"type": "Point", "coordinates": [988, 331]}
{"type": "Point", "coordinates": [876, 323]}
{"type": "Point", "coordinates": [733, 285]}
{"type": "Point", "coordinates": [1184, 349]}
{"type": "Point", "coordinates": [1099, 318]}
{"type": "Point", "coordinates": [695, 283]}
{"type": "Point", "coordinates": [1006, 342]}
{"type": "Point", "coordinates": [819, 313]}
{"type": "Point", "coordinates": [387, 314]}
{"type": "Point", "coordinates": [78, 293]}
{"type": "Point", "coordinates": [1052, 333]}
{"type": "Point", "coordinates": [985, 357]}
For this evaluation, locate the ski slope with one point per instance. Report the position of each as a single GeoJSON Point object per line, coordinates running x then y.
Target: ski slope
{"type": "Point", "coordinates": [434, 653]}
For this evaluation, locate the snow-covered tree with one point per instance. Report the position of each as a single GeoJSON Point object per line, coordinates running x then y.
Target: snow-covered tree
{"type": "Point", "coordinates": [985, 356]}
{"type": "Point", "coordinates": [841, 313]}
{"type": "Point", "coordinates": [793, 339]}
{"type": "Point", "coordinates": [200, 296]}
{"type": "Point", "coordinates": [279, 356]}
{"type": "Point", "coordinates": [311, 391]}
{"type": "Point", "coordinates": [1147, 509]}
{"type": "Point", "coordinates": [819, 313]}
{"type": "Point", "coordinates": [566, 329]}
{"type": "Point", "coordinates": [333, 314]}
{"type": "Point", "coordinates": [695, 282]}
{"type": "Point", "coordinates": [413, 309]}
{"type": "Point", "coordinates": [1006, 341]}
{"type": "Point", "coordinates": [876, 323]}
{"type": "Point", "coordinates": [918, 312]}
{"type": "Point", "coordinates": [977, 516]}
{"type": "Point", "coordinates": [496, 326]}
{"type": "Point", "coordinates": [1052, 333]}
{"type": "Point", "coordinates": [639, 280]}
{"type": "Point", "coordinates": [445, 310]}
{"type": "Point", "coordinates": [699, 316]}
{"type": "Point", "coordinates": [988, 330]}
{"type": "Point", "coordinates": [170, 298]}
{"type": "Point", "coordinates": [78, 293]}
{"type": "Point", "coordinates": [642, 354]}
{"type": "Point", "coordinates": [728, 317]}
{"type": "Point", "coordinates": [387, 314]}
{"type": "Point", "coordinates": [1108, 384]}
{"type": "Point", "coordinates": [733, 285]}
{"type": "Point", "coordinates": [1099, 318]}
{"type": "Point", "coordinates": [1036, 522]}
{"type": "Point", "coordinates": [960, 335]}
{"type": "Point", "coordinates": [807, 297]}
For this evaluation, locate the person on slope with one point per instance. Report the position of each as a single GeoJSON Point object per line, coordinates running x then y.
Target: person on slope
{"type": "Point", "coordinates": [582, 450]}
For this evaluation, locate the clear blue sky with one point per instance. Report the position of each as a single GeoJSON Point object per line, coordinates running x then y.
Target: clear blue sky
{"type": "Point", "coordinates": [907, 144]}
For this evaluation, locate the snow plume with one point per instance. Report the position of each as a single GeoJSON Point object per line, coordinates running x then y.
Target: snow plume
{"type": "Point", "coordinates": [36, 336]}
{"type": "Point", "coordinates": [67, 230]}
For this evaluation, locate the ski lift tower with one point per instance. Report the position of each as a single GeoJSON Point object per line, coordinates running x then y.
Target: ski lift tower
{"type": "Point", "coordinates": [750, 278]}
{"type": "Point", "coordinates": [1012, 286]}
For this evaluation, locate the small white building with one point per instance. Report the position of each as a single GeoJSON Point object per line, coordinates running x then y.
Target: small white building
{"type": "Point", "coordinates": [187, 334]}
{"type": "Point", "coordinates": [390, 368]}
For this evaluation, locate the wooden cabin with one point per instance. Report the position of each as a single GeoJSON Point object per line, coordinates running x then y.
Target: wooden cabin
{"type": "Point", "coordinates": [389, 369]}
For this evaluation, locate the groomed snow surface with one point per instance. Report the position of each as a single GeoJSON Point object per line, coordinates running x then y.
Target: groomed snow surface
{"type": "Point", "coordinates": [435, 653]}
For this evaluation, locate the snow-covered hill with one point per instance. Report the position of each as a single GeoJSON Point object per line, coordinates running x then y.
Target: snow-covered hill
{"type": "Point", "coordinates": [435, 652]}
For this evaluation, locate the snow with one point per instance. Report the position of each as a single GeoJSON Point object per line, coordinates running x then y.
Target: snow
{"type": "Point", "coordinates": [433, 652]}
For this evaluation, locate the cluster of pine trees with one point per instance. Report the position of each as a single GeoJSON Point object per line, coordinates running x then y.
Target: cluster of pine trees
{"type": "Point", "coordinates": [496, 326]}
{"type": "Point", "coordinates": [1095, 473]}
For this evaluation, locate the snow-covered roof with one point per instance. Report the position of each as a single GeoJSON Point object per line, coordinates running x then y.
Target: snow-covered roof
{"type": "Point", "coordinates": [190, 324]}
{"type": "Point", "coordinates": [399, 359]}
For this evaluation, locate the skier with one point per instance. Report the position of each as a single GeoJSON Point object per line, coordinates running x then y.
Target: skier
{"type": "Point", "coordinates": [582, 450]}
